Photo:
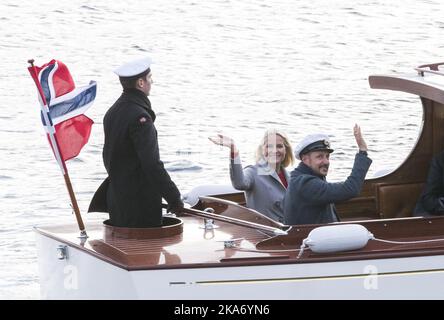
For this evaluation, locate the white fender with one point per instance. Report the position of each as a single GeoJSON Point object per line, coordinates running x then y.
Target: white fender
{"type": "Point", "coordinates": [336, 238]}
{"type": "Point", "coordinates": [192, 197]}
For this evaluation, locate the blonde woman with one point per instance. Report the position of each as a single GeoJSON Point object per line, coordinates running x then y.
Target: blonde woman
{"type": "Point", "coordinates": [265, 182]}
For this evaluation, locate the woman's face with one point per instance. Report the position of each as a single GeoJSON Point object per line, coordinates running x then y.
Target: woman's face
{"type": "Point", "coordinates": [274, 149]}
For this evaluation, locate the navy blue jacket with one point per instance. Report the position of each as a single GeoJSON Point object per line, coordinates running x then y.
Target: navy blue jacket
{"type": "Point", "coordinates": [310, 198]}
{"type": "Point", "coordinates": [431, 201]}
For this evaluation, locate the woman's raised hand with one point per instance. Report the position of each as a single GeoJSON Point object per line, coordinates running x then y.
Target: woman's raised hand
{"type": "Point", "coordinates": [222, 140]}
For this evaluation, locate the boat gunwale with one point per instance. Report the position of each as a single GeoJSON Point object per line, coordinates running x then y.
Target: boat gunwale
{"type": "Point", "coordinates": [275, 258]}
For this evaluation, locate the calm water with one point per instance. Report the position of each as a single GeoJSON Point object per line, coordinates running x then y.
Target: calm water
{"type": "Point", "coordinates": [237, 67]}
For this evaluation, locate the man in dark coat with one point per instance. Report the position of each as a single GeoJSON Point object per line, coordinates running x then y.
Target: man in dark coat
{"type": "Point", "coordinates": [137, 180]}
{"type": "Point", "coordinates": [431, 201]}
{"type": "Point", "coordinates": [310, 198]}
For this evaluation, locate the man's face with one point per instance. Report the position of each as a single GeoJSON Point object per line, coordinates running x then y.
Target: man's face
{"type": "Point", "coordinates": [146, 83]}
{"type": "Point", "coordinates": [318, 161]}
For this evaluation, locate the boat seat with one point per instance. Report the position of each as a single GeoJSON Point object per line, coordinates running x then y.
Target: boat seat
{"type": "Point", "coordinates": [397, 200]}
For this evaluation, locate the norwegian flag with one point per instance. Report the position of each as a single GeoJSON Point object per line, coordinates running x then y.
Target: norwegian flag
{"type": "Point", "coordinates": [62, 107]}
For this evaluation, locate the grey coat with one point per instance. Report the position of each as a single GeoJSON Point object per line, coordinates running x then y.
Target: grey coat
{"type": "Point", "coordinates": [264, 190]}
{"type": "Point", "coordinates": [310, 198]}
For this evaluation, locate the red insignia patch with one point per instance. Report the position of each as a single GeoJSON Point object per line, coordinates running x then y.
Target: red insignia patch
{"type": "Point", "coordinates": [142, 120]}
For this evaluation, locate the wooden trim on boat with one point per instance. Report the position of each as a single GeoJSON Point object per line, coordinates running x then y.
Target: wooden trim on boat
{"type": "Point", "coordinates": [180, 251]}
{"type": "Point", "coordinates": [407, 85]}
{"type": "Point", "coordinates": [171, 226]}
{"type": "Point", "coordinates": [310, 278]}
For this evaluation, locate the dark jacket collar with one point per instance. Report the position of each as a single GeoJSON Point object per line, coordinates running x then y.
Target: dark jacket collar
{"type": "Point", "coordinates": [139, 98]}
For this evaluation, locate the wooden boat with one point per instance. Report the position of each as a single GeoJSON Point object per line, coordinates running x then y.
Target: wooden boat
{"type": "Point", "coordinates": [244, 254]}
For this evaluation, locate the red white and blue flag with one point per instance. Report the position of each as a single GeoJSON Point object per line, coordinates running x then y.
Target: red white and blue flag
{"type": "Point", "coordinates": [63, 106]}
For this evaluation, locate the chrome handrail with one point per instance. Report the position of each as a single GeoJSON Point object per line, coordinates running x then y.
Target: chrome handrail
{"type": "Point", "coordinates": [434, 68]}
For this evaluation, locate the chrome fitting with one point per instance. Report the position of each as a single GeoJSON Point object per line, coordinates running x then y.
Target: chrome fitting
{"type": "Point", "coordinates": [62, 252]}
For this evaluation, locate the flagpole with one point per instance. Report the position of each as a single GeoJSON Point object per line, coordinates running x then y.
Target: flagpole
{"type": "Point", "coordinates": [55, 145]}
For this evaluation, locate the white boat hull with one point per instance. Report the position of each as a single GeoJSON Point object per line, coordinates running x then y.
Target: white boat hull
{"type": "Point", "coordinates": [83, 276]}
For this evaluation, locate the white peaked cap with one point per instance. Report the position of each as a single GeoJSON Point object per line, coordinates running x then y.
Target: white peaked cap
{"type": "Point", "coordinates": [134, 67]}
{"type": "Point", "coordinates": [312, 142]}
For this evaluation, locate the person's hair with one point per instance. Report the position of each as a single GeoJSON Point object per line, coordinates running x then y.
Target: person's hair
{"type": "Point", "coordinates": [128, 83]}
{"type": "Point", "coordinates": [289, 157]}
{"type": "Point", "coordinates": [131, 82]}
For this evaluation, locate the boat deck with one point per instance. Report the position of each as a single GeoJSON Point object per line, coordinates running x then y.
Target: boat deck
{"type": "Point", "coordinates": [196, 247]}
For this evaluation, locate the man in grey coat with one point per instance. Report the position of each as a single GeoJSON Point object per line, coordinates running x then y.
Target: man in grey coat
{"type": "Point", "coordinates": [310, 198]}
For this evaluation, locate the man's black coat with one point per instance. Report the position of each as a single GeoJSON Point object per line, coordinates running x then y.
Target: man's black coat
{"type": "Point", "coordinates": [137, 180]}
